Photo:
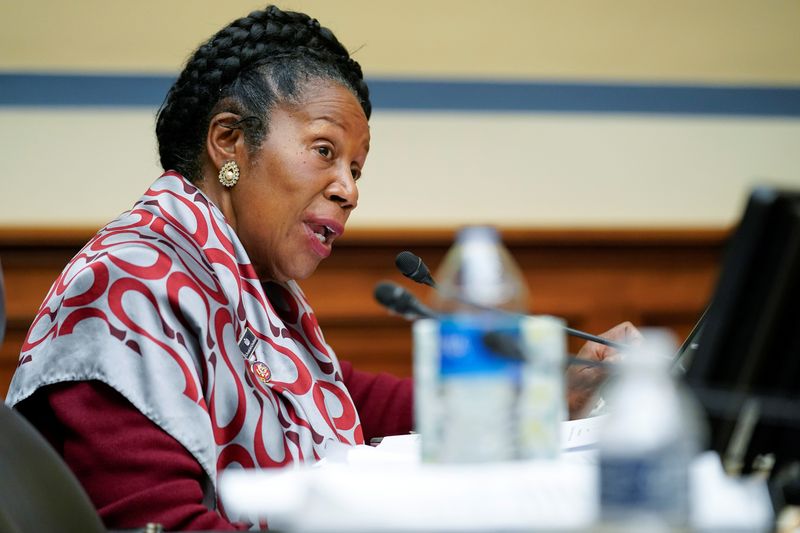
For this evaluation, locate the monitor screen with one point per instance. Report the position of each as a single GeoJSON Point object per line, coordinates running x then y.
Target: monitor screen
{"type": "Point", "coordinates": [746, 368]}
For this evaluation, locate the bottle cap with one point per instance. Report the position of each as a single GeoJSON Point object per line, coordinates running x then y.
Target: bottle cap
{"type": "Point", "coordinates": [478, 232]}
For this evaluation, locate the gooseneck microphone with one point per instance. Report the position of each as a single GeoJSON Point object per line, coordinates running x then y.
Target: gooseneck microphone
{"type": "Point", "coordinates": [402, 302]}
{"type": "Point", "coordinates": [414, 268]}
{"type": "Point", "coordinates": [508, 346]}
{"type": "Point", "coordinates": [399, 300]}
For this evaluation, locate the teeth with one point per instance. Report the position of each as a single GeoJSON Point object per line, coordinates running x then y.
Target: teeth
{"type": "Point", "coordinates": [321, 237]}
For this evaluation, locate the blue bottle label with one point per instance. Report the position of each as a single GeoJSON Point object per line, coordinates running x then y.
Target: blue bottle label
{"type": "Point", "coordinates": [656, 483]}
{"type": "Point", "coordinates": [464, 352]}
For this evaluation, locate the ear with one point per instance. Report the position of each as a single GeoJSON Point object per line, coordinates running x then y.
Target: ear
{"type": "Point", "coordinates": [223, 142]}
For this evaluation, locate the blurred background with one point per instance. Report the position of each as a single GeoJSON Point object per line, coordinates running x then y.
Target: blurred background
{"type": "Point", "coordinates": [613, 141]}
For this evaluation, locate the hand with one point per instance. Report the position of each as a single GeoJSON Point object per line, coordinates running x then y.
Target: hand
{"type": "Point", "coordinates": [583, 381]}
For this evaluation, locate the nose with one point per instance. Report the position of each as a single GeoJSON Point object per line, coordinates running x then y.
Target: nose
{"type": "Point", "coordinates": [343, 189]}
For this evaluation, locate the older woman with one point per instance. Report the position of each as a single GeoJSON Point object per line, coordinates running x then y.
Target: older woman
{"type": "Point", "coordinates": [177, 343]}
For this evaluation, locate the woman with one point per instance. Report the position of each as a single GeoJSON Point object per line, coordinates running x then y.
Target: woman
{"type": "Point", "coordinates": [177, 343]}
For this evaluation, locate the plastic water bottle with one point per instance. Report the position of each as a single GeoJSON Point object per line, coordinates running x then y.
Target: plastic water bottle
{"type": "Point", "coordinates": [652, 434]}
{"type": "Point", "coordinates": [477, 387]}
{"type": "Point", "coordinates": [479, 271]}
{"type": "Point", "coordinates": [542, 401]}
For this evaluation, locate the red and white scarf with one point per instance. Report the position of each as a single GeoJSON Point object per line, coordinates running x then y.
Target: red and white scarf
{"type": "Point", "coordinates": [164, 306]}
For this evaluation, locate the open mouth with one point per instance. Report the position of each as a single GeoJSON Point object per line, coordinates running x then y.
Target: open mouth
{"type": "Point", "coordinates": [323, 233]}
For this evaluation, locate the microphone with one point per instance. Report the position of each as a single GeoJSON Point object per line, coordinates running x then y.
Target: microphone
{"type": "Point", "coordinates": [506, 345]}
{"type": "Point", "coordinates": [413, 267]}
{"type": "Point", "coordinates": [399, 300]}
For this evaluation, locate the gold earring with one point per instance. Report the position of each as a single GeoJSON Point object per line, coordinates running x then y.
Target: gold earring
{"type": "Point", "coordinates": [229, 174]}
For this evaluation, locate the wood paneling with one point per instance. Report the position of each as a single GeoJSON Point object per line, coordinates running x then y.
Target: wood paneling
{"type": "Point", "coordinates": [593, 278]}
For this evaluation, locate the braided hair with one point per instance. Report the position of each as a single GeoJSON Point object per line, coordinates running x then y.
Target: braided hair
{"type": "Point", "coordinates": [247, 68]}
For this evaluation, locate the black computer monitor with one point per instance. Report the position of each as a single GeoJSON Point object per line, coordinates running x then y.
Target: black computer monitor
{"type": "Point", "coordinates": [746, 368]}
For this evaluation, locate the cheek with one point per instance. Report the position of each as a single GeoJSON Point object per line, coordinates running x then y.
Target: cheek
{"type": "Point", "coordinates": [290, 179]}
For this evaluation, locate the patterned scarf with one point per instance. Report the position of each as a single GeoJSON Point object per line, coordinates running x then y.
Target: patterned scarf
{"type": "Point", "coordinates": [164, 306]}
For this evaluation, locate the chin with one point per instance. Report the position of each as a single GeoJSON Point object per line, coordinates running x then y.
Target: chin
{"type": "Point", "coordinates": [299, 272]}
{"type": "Point", "coordinates": [304, 274]}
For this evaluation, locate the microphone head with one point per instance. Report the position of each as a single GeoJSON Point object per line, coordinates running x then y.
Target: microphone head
{"type": "Point", "coordinates": [503, 344]}
{"type": "Point", "coordinates": [397, 299]}
{"type": "Point", "coordinates": [388, 293]}
{"type": "Point", "coordinates": [412, 267]}
{"type": "Point", "coordinates": [408, 263]}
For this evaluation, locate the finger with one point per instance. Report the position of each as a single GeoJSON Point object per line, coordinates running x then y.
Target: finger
{"type": "Point", "coordinates": [625, 332]}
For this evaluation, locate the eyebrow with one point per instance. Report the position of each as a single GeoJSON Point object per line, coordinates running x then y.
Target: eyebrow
{"type": "Point", "coordinates": [332, 120]}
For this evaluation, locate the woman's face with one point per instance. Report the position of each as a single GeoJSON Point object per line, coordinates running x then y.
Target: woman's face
{"type": "Point", "coordinates": [298, 189]}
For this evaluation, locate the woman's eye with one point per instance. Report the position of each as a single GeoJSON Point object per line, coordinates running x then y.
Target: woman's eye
{"type": "Point", "coordinates": [324, 151]}
{"type": "Point", "coordinates": [356, 173]}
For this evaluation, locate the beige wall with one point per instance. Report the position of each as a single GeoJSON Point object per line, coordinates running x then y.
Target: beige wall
{"type": "Point", "coordinates": [680, 40]}
{"type": "Point", "coordinates": [82, 166]}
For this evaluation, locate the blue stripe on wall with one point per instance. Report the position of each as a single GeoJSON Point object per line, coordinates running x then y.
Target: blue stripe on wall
{"type": "Point", "coordinates": [68, 90]}
{"type": "Point", "coordinates": [588, 98]}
